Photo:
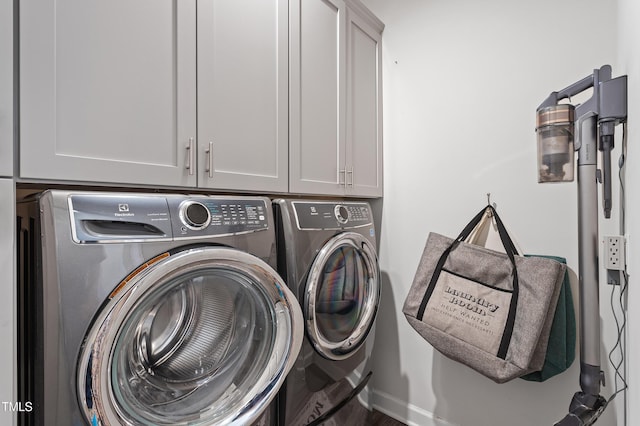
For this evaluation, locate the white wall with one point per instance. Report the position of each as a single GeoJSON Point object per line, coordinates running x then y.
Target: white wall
{"type": "Point", "coordinates": [462, 80]}
{"type": "Point", "coordinates": [629, 41]}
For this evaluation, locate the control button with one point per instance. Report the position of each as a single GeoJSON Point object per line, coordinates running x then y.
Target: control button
{"type": "Point", "coordinates": [194, 215]}
{"type": "Point", "coordinates": [341, 213]}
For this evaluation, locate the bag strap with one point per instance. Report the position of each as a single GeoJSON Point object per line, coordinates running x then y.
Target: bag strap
{"type": "Point", "coordinates": [505, 237]}
{"type": "Point", "coordinates": [508, 244]}
{"type": "Point", "coordinates": [473, 223]}
{"type": "Point", "coordinates": [511, 252]}
{"type": "Point", "coordinates": [511, 317]}
{"type": "Point", "coordinates": [485, 229]}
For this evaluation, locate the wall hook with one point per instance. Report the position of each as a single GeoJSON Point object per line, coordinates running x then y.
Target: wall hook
{"type": "Point", "coordinates": [489, 203]}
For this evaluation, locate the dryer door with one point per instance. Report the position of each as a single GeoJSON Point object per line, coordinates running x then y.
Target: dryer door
{"type": "Point", "coordinates": [201, 336]}
{"type": "Point", "coordinates": [341, 296]}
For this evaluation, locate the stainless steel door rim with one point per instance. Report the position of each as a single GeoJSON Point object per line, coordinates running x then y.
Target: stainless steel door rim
{"type": "Point", "coordinates": [328, 348]}
{"type": "Point", "coordinates": [100, 397]}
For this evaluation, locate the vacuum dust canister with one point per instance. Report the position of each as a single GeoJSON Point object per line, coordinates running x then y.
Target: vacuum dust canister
{"type": "Point", "coordinates": [555, 127]}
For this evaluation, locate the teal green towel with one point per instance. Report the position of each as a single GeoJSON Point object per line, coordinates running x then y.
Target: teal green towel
{"type": "Point", "coordinates": [561, 350]}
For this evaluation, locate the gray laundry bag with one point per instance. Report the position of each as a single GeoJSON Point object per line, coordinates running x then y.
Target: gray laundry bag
{"type": "Point", "coordinates": [488, 310]}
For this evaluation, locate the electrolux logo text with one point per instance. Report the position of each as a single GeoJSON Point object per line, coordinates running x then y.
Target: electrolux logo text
{"type": "Point", "coordinates": [17, 407]}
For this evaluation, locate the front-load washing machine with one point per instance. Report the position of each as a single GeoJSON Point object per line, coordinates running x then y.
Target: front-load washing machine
{"type": "Point", "coordinates": [327, 256]}
{"type": "Point", "coordinates": [150, 309]}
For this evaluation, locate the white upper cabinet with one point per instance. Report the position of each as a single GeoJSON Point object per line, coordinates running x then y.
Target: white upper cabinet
{"type": "Point", "coordinates": [151, 92]}
{"type": "Point", "coordinates": [267, 96]}
{"type": "Point", "coordinates": [364, 106]}
{"type": "Point", "coordinates": [6, 88]}
{"type": "Point", "coordinates": [243, 94]}
{"type": "Point", "coordinates": [317, 132]}
{"type": "Point", "coordinates": [108, 91]}
{"type": "Point", "coordinates": [335, 127]}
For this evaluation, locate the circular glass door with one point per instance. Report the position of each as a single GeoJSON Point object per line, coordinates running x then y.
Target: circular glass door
{"type": "Point", "coordinates": [204, 336]}
{"type": "Point", "coordinates": [342, 295]}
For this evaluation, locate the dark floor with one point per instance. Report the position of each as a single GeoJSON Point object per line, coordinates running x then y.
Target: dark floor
{"type": "Point", "coordinates": [379, 419]}
{"type": "Point", "coordinates": [351, 414]}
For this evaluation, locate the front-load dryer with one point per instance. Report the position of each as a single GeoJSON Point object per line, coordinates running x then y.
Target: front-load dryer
{"type": "Point", "coordinates": [151, 309]}
{"type": "Point", "coordinates": [327, 256]}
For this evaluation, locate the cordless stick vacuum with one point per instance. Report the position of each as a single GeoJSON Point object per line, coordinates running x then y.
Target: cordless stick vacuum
{"type": "Point", "coordinates": [593, 122]}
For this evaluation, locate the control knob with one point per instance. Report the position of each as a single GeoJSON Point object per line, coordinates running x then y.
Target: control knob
{"type": "Point", "coordinates": [341, 213]}
{"type": "Point", "coordinates": [194, 215]}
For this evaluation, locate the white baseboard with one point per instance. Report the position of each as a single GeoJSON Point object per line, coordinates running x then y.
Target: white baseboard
{"type": "Point", "coordinates": [404, 412]}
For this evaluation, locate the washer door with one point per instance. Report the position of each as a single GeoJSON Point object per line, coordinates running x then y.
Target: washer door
{"type": "Point", "coordinates": [342, 295]}
{"type": "Point", "coordinates": [203, 336]}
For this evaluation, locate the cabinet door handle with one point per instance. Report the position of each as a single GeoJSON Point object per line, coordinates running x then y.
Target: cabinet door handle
{"type": "Point", "coordinates": [342, 180]}
{"type": "Point", "coordinates": [190, 156]}
{"type": "Point", "coordinates": [209, 153]}
{"type": "Point", "coordinates": [349, 182]}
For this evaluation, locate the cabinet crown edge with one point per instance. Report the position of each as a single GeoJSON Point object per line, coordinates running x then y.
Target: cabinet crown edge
{"type": "Point", "coordinates": [366, 14]}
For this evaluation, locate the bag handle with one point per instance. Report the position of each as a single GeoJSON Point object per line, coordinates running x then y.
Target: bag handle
{"type": "Point", "coordinates": [488, 226]}
{"type": "Point", "coordinates": [511, 252]}
{"type": "Point", "coordinates": [511, 317]}
{"type": "Point", "coordinates": [508, 244]}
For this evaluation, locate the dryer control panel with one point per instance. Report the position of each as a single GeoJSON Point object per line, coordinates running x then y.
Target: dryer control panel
{"type": "Point", "coordinates": [111, 218]}
{"type": "Point", "coordinates": [332, 215]}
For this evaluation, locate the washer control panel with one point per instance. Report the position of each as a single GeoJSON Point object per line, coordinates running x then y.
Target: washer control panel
{"type": "Point", "coordinates": [102, 218]}
{"type": "Point", "coordinates": [331, 215]}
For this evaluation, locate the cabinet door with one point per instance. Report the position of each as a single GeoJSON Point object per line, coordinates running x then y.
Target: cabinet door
{"type": "Point", "coordinates": [6, 88]}
{"type": "Point", "coordinates": [243, 94]}
{"type": "Point", "coordinates": [317, 163]}
{"type": "Point", "coordinates": [107, 90]}
{"type": "Point", "coordinates": [364, 108]}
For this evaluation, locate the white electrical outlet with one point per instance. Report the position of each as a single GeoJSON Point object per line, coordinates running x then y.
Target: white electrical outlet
{"type": "Point", "coordinates": [614, 253]}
